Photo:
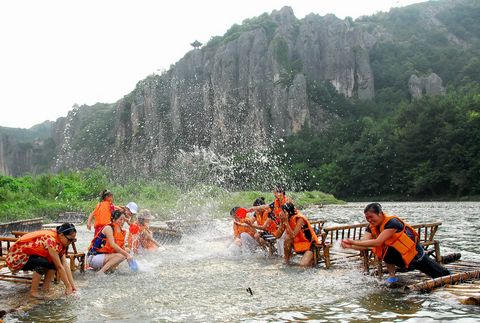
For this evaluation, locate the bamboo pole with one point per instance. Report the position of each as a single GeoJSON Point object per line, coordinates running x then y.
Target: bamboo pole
{"type": "Point", "coordinates": [440, 281]}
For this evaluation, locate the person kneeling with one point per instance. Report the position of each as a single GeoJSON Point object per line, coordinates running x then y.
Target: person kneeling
{"type": "Point", "coordinates": [300, 235]}
{"type": "Point", "coordinates": [396, 243]}
{"type": "Point", "coordinates": [44, 252]}
{"type": "Point", "coordinates": [106, 250]}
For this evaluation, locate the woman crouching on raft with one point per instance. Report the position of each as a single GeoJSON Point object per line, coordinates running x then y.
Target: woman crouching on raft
{"type": "Point", "coordinates": [106, 250]}
{"type": "Point", "coordinates": [299, 234]}
{"type": "Point", "coordinates": [44, 252]}
{"type": "Point", "coordinates": [396, 243]}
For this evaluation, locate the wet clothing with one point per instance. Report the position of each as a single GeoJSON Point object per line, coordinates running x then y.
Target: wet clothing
{"type": "Point", "coordinates": [302, 242]}
{"type": "Point", "coordinates": [276, 206]}
{"type": "Point", "coordinates": [38, 264]}
{"type": "Point", "coordinates": [103, 215]}
{"type": "Point", "coordinates": [262, 217]}
{"type": "Point", "coordinates": [392, 256]}
{"type": "Point", "coordinates": [239, 229]}
{"type": "Point", "coordinates": [97, 261]}
{"type": "Point", "coordinates": [100, 242]}
{"type": "Point", "coordinates": [421, 261]}
{"type": "Point", "coordinates": [33, 243]}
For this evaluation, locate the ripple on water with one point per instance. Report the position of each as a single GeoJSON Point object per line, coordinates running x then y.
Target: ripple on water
{"type": "Point", "coordinates": [202, 280]}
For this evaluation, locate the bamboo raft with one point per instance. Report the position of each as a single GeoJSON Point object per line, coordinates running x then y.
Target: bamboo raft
{"type": "Point", "coordinates": [21, 225]}
{"type": "Point", "coordinates": [165, 235]}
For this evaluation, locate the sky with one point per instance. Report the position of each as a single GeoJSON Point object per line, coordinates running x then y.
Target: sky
{"type": "Point", "coordinates": [57, 53]}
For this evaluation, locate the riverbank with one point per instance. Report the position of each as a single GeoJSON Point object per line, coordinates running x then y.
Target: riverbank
{"type": "Point", "coordinates": [402, 198]}
{"type": "Point", "coordinates": [50, 194]}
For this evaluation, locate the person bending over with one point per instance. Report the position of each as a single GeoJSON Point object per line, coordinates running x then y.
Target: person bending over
{"type": "Point", "coordinates": [396, 243]}
{"type": "Point", "coordinates": [44, 252]}
{"type": "Point", "coordinates": [107, 249]}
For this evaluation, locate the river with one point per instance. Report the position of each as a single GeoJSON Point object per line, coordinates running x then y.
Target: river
{"type": "Point", "coordinates": [202, 280]}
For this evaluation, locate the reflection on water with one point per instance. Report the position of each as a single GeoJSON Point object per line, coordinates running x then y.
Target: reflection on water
{"type": "Point", "coordinates": [200, 280]}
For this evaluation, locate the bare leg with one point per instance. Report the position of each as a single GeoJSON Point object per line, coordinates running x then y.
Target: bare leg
{"type": "Point", "coordinates": [111, 260]}
{"type": "Point", "coordinates": [35, 283]}
{"type": "Point", "coordinates": [391, 270]}
{"type": "Point", "coordinates": [307, 259]}
{"type": "Point", "coordinates": [287, 249]}
{"type": "Point", "coordinates": [48, 279]}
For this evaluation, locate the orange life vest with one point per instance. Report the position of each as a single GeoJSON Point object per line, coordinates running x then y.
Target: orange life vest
{"type": "Point", "coordinates": [261, 217]}
{"type": "Point", "coordinates": [399, 241]}
{"type": "Point", "coordinates": [301, 243]}
{"type": "Point", "coordinates": [103, 213]}
{"type": "Point", "coordinates": [239, 229]}
{"type": "Point", "coordinates": [134, 237]}
{"type": "Point", "coordinates": [277, 205]}
{"type": "Point", "coordinates": [104, 246]}
{"type": "Point", "coordinates": [39, 250]}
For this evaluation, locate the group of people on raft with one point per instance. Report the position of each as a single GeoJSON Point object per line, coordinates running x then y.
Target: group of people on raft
{"type": "Point", "coordinates": [390, 238]}
{"type": "Point", "coordinates": [43, 252]}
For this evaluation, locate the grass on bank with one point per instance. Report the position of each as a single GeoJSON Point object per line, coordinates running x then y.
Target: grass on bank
{"type": "Point", "coordinates": [48, 195]}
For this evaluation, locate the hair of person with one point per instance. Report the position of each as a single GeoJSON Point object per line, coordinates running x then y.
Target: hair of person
{"type": "Point", "coordinates": [233, 211]}
{"type": "Point", "coordinates": [66, 228]}
{"type": "Point", "coordinates": [117, 214]}
{"type": "Point", "coordinates": [259, 201]}
{"type": "Point", "coordinates": [279, 188]}
{"type": "Point", "coordinates": [105, 194]}
{"type": "Point", "coordinates": [373, 207]}
{"type": "Point", "coordinates": [289, 208]}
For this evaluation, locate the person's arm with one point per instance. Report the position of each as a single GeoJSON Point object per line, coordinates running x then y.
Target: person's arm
{"type": "Point", "coordinates": [380, 240]}
{"type": "Point", "coordinates": [347, 245]}
{"type": "Point", "coordinates": [296, 230]}
{"type": "Point", "coordinates": [280, 230]}
{"type": "Point", "coordinates": [108, 231]}
{"type": "Point", "coordinates": [89, 221]}
{"type": "Point", "coordinates": [61, 270]}
{"type": "Point", "coordinates": [69, 272]}
{"type": "Point", "coordinates": [149, 236]}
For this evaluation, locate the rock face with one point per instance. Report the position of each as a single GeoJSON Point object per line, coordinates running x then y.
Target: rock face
{"type": "Point", "coordinates": [429, 85]}
{"type": "Point", "coordinates": [236, 93]}
{"type": "Point", "coordinates": [230, 96]}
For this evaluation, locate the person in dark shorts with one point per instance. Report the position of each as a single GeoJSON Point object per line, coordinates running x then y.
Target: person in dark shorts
{"type": "Point", "coordinates": [396, 243]}
{"type": "Point", "coordinates": [43, 252]}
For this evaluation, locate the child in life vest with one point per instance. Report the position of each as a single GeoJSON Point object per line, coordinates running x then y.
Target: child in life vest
{"type": "Point", "coordinates": [102, 213]}
{"type": "Point", "coordinates": [141, 238]}
{"type": "Point", "coordinates": [44, 252]}
{"type": "Point", "coordinates": [396, 243]}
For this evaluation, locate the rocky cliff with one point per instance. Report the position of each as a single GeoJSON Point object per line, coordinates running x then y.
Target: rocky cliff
{"type": "Point", "coordinates": [236, 93]}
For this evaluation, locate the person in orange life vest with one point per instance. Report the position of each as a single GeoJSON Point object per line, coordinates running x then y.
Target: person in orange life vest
{"type": "Point", "coordinates": [129, 210]}
{"type": "Point", "coordinates": [44, 252]}
{"type": "Point", "coordinates": [143, 240]}
{"type": "Point", "coordinates": [107, 249]}
{"type": "Point", "coordinates": [275, 208]}
{"type": "Point", "coordinates": [264, 223]}
{"type": "Point", "coordinates": [396, 243]}
{"type": "Point", "coordinates": [243, 233]}
{"type": "Point", "coordinates": [102, 213]}
{"type": "Point", "coordinates": [299, 234]}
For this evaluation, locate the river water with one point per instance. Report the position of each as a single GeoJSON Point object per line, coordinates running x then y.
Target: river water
{"type": "Point", "coordinates": [202, 280]}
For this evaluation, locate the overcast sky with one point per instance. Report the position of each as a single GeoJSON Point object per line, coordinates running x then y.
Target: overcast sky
{"type": "Point", "coordinates": [54, 54]}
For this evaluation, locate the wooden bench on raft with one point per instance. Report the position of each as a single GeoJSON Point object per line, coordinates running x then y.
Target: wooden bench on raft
{"type": "Point", "coordinates": [426, 233]}
{"type": "Point", "coordinates": [317, 226]}
{"type": "Point", "coordinates": [77, 259]}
